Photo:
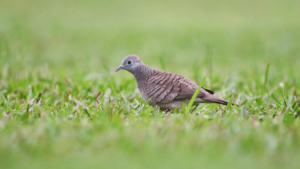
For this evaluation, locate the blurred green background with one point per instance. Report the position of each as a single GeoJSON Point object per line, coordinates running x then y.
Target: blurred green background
{"type": "Point", "coordinates": [76, 45]}
{"type": "Point", "coordinates": [73, 37]}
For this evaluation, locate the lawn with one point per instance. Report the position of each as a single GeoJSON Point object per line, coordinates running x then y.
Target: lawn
{"type": "Point", "coordinates": [63, 106]}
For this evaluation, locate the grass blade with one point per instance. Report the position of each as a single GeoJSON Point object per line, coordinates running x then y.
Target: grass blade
{"type": "Point", "coordinates": [266, 75]}
{"type": "Point", "coordinates": [194, 96]}
{"type": "Point", "coordinates": [162, 63]}
{"type": "Point", "coordinates": [175, 110]}
{"type": "Point", "coordinates": [3, 91]}
{"type": "Point", "coordinates": [229, 104]}
{"type": "Point", "coordinates": [275, 99]}
{"type": "Point", "coordinates": [148, 101]}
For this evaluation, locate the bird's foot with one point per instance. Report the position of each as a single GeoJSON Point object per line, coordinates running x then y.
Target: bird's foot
{"type": "Point", "coordinates": [167, 111]}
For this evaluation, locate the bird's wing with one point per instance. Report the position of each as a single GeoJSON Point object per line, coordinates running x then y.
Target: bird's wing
{"type": "Point", "coordinates": [165, 87]}
{"type": "Point", "coordinates": [209, 91]}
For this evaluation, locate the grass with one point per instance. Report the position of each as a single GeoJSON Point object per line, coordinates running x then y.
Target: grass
{"type": "Point", "coordinates": [62, 105]}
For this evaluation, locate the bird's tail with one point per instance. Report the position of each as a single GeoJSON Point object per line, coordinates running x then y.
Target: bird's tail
{"type": "Point", "coordinates": [215, 99]}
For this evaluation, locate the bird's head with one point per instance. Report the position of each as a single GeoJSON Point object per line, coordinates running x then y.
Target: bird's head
{"type": "Point", "coordinates": [130, 63]}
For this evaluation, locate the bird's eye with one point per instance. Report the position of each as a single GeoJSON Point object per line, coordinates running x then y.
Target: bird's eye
{"type": "Point", "coordinates": [129, 62]}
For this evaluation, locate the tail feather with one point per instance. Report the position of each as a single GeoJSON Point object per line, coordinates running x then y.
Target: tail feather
{"type": "Point", "coordinates": [208, 98]}
{"type": "Point", "coordinates": [214, 99]}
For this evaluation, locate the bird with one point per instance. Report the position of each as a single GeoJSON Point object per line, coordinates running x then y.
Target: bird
{"type": "Point", "coordinates": [165, 90]}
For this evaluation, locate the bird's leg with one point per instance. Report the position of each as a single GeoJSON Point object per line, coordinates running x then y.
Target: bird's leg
{"type": "Point", "coordinates": [167, 111]}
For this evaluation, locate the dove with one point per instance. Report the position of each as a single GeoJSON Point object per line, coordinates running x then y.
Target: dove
{"type": "Point", "coordinates": [165, 90]}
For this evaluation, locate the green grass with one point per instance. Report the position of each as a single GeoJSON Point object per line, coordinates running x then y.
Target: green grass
{"type": "Point", "coordinates": [62, 105]}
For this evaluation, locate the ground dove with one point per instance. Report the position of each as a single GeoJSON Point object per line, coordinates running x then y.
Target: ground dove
{"type": "Point", "coordinates": [165, 90]}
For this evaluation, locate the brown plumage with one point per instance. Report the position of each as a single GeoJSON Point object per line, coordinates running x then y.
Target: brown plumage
{"type": "Point", "coordinates": [166, 90]}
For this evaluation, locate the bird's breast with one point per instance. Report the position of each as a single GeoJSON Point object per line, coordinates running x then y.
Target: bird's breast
{"type": "Point", "coordinates": [142, 90]}
{"type": "Point", "coordinates": [144, 95]}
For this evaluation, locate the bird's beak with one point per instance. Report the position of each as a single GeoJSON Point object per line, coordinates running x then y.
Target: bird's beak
{"type": "Point", "coordinates": [119, 68]}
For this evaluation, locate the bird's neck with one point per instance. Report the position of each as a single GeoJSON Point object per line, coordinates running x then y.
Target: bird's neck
{"type": "Point", "coordinates": [142, 74]}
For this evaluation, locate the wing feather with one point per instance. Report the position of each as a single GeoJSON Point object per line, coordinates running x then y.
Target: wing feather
{"type": "Point", "coordinates": [165, 87]}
